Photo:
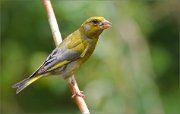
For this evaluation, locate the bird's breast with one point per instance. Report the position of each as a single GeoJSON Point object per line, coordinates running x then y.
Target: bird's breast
{"type": "Point", "coordinates": [89, 49]}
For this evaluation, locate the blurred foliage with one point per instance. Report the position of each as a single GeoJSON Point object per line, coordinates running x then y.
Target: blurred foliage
{"type": "Point", "coordinates": [134, 68]}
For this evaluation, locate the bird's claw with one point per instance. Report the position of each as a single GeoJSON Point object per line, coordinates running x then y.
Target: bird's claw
{"type": "Point", "coordinates": [80, 94]}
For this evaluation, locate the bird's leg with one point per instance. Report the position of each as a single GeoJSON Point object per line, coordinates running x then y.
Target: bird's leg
{"type": "Point", "coordinates": [80, 94]}
{"type": "Point", "coordinates": [75, 90]}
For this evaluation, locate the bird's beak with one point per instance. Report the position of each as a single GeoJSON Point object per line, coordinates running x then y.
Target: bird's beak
{"type": "Point", "coordinates": [105, 24]}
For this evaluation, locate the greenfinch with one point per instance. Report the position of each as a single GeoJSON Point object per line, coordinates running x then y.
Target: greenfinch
{"type": "Point", "coordinates": [73, 51]}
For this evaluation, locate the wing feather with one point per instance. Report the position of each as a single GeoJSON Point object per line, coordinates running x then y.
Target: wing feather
{"type": "Point", "coordinates": [56, 59]}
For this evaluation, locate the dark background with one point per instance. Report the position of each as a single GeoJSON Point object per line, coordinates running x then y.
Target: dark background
{"type": "Point", "coordinates": [134, 69]}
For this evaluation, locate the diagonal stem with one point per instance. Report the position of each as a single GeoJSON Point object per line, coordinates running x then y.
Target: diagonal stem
{"type": "Point", "coordinates": [58, 39]}
{"type": "Point", "coordinates": [52, 21]}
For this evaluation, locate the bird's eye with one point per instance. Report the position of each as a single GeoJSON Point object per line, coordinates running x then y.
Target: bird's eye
{"type": "Point", "coordinates": [95, 21]}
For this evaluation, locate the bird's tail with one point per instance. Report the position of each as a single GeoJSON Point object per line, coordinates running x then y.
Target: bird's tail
{"type": "Point", "coordinates": [24, 83]}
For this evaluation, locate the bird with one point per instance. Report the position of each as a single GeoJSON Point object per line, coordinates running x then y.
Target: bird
{"type": "Point", "coordinates": [70, 54]}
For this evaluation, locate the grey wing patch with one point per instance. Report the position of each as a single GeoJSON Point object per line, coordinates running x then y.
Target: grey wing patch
{"type": "Point", "coordinates": [55, 57]}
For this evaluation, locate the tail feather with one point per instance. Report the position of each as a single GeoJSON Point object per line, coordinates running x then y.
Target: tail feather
{"type": "Point", "coordinates": [24, 83]}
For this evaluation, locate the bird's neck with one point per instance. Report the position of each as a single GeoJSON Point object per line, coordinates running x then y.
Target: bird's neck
{"type": "Point", "coordinates": [90, 33]}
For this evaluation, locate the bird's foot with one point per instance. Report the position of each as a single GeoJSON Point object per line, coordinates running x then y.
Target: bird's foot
{"type": "Point", "coordinates": [80, 94]}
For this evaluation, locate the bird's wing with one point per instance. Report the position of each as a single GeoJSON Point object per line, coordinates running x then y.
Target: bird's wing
{"type": "Point", "coordinates": [58, 58]}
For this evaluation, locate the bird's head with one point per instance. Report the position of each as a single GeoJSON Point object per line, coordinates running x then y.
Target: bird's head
{"type": "Point", "coordinates": [94, 26]}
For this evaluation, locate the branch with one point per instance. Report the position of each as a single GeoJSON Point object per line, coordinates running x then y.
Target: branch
{"type": "Point", "coordinates": [52, 21]}
{"type": "Point", "coordinates": [58, 39]}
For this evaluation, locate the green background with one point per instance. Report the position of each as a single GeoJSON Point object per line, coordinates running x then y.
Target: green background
{"type": "Point", "coordinates": [134, 69]}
